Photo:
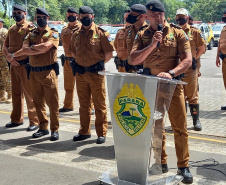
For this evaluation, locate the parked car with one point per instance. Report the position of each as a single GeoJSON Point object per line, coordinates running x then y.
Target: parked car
{"type": "Point", "coordinates": [57, 25]}
{"type": "Point", "coordinates": [207, 34]}
{"type": "Point", "coordinates": [112, 30]}
{"type": "Point", "coordinates": [217, 28]}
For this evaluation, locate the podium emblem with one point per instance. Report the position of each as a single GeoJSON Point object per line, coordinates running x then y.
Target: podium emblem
{"type": "Point", "coordinates": [131, 110]}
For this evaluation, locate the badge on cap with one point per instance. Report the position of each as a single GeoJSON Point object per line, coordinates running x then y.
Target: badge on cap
{"type": "Point", "coordinates": [55, 35]}
{"type": "Point", "coordinates": [151, 7]}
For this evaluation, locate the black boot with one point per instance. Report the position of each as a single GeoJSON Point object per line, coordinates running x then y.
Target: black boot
{"type": "Point", "coordinates": [186, 107]}
{"type": "Point", "coordinates": [195, 115]}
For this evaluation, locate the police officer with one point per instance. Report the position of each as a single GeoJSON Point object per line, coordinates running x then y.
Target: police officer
{"type": "Point", "coordinates": [19, 81]}
{"type": "Point", "coordinates": [41, 45]}
{"type": "Point", "coordinates": [69, 79]}
{"type": "Point", "coordinates": [191, 75]}
{"type": "Point", "coordinates": [120, 46]}
{"type": "Point", "coordinates": [221, 52]}
{"type": "Point", "coordinates": [91, 47]}
{"type": "Point", "coordinates": [163, 62]}
{"type": "Point", "coordinates": [137, 19]}
{"type": "Point", "coordinates": [5, 80]}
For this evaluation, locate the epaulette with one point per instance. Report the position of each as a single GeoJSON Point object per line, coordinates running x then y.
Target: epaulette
{"type": "Point", "coordinates": [128, 27]}
{"type": "Point", "coordinates": [102, 29]}
{"type": "Point", "coordinates": [76, 29]}
{"type": "Point", "coordinates": [54, 29]}
{"type": "Point", "coordinates": [175, 26]}
{"type": "Point", "coordinates": [142, 27]}
{"type": "Point", "coordinates": [31, 27]}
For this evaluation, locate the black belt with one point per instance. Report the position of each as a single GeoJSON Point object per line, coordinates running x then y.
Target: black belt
{"type": "Point", "coordinates": [43, 68]}
{"type": "Point", "coordinates": [23, 62]}
{"type": "Point", "coordinates": [69, 58]}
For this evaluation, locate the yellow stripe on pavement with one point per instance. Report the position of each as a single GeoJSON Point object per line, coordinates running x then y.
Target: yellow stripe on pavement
{"type": "Point", "coordinates": [192, 137]}
{"type": "Point", "coordinates": [202, 138]}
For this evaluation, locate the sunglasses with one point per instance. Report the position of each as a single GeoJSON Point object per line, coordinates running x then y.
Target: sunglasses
{"type": "Point", "coordinates": [41, 17]}
{"type": "Point", "coordinates": [17, 13]}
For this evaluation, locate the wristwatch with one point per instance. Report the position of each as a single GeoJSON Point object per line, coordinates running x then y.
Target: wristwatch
{"type": "Point", "coordinates": [172, 73]}
{"type": "Point", "coordinates": [12, 55]}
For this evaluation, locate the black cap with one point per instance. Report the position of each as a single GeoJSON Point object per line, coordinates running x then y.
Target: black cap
{"type": "Point", "coordinates": [19, 7]}
{"type": "Point", "coordinates": [190, 18]}
{"type": "Point", "coordinates": [127, 11]}
{"type": "Point", "coordinates": [41, 11]}
{"type": "Point", "coordinates": [224, 11]}
{"type": "Point", "coordinates": [155, 6]}
{"type": "Point", "coordinates": [71, 10]}
{"type": "Point", "coordinates": [1, 20]}
{"type": "Point", "coordinates": [85, 9]}
{"type": "Point", "coordinates": [139, 8]}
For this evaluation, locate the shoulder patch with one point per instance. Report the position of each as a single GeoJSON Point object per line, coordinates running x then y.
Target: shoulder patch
{"type": "Point", "coordinates": [55, 35]}
{"type": "Point", "coordinates": [175, 26]}
{"type": "Point", "coordinates": [143, 27]}
{"type": "Point", "coordinates": [76, 29]}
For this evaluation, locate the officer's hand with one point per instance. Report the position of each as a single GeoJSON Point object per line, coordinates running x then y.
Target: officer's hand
{"type": "Point", "coordinates": [156, 38]}
{"type": "Point", "coordinates": [165, 75]}
{"type": "Point", "coordinates": [13, 62]}
{"type": "Point", "coordinates": [218, 62]}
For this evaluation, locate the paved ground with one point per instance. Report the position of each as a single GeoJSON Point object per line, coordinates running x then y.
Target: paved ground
{"type": "Point", "coordinates": [212, 95]}
{"type": "Point", "coordinates": [28, 161]}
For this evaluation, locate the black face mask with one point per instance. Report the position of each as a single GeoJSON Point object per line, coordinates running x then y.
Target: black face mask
{"type": "Point", "coordinates": [72, 18]}
{"type": "Point", "coordinates": [224, 19]}
{"type": "Point", "coordinates": [18, 17]}
{"type": "Point", "coordinates": [86, 21]}
{"type": "Point", "coordinates": [131, 19]}
{"type": "Point", "coordinates": [42, 22]}
{"type": "Point", "coordinates": [181, 21]}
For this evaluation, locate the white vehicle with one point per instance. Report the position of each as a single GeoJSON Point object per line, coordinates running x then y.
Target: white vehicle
{"type": "Point", "coordinates": [217, 28]}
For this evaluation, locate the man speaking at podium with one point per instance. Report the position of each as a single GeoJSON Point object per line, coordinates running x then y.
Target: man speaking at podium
{"type": "Point", "coordinates": [159, 47]}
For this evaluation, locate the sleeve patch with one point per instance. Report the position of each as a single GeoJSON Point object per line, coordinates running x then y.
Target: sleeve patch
{"type": "Point", "coordinates": [55, 35]}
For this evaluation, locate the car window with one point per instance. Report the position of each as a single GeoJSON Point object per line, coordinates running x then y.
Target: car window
{"type": "Point", "coordinates": [217, 27]}
{"type": "Point", "coordinates": [206, 29]}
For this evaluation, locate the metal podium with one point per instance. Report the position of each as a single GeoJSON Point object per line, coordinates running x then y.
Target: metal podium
{"type": "Point", "coordinates": [138, 105]}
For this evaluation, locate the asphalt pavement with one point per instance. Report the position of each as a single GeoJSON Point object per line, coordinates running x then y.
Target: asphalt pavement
{"type": "Point", "coordinates": [28, 161]}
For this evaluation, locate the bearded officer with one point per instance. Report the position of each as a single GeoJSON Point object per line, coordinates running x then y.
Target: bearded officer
{"type": "Point", "coordinates": [20, 83]}
{"type": "Point", "coordinates": [41, 45]}
{"type": "Point", "coordinates": [5, 80]}
{"type": "Point", "coordinates": [91, 47]}
{"type": "Point", "coordinates": [221, 52]}
{"type": "Point", "coordinates": [69, 79]}
{"type": "Point", "coordinates": [163, 62]}
{"type": "Point", "coordinates": [191, 75]}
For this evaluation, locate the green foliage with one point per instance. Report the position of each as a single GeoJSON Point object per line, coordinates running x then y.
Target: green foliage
{"type": "Point", "coordinates": [112, 11]}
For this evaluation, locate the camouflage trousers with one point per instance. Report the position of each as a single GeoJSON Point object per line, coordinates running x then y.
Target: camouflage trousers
{"type": "Point", "coordinates": [5, 80]}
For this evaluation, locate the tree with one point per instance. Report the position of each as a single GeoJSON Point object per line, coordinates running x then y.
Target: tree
{"type": "Point", "coordinates": [132, 109]}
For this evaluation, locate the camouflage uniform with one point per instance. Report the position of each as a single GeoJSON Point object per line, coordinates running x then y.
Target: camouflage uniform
{"type": "Point", "coordinates": [5, 81]}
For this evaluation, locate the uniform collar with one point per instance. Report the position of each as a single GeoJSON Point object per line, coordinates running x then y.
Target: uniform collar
{"type": "Point", "coordinates": [187, 28]}
{"type": "Point", "coordinates": [72, 27]}
{"type": "Point", "coordinates": [93, 27]}
{"type": "Point", "coordinates": [23, 24]}
{"type": "Point", "coordinates": [47, 29]}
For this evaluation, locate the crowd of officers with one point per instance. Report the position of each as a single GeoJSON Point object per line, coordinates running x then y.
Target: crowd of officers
{"type": "Point", "coordinates": [159, 48]}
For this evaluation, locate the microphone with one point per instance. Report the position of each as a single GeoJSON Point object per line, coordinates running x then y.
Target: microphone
{"type": "Point", "coordinates": [160, 26]}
